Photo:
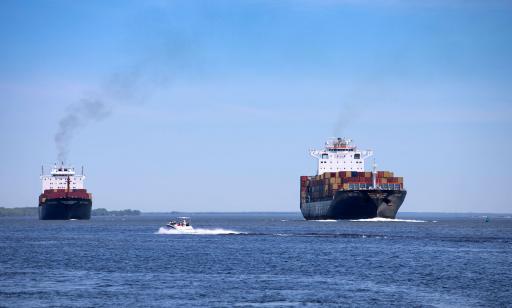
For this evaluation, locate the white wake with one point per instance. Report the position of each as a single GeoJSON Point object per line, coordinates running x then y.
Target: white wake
{"type": "Point", "coordinates": [218, 231]}
{"type": "Point", "coordinates": [380, 219]}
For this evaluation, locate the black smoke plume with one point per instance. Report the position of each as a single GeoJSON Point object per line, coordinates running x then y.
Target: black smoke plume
{"type": "Point", "coordinates": [348, 112]}
{"type": "Point", "coordinates": [130, 85]}
{"type": "Point", "coordinates": [78, 115]}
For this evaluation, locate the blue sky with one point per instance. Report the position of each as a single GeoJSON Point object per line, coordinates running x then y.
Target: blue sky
{"type": "Point", "coordinates": [213, 105]}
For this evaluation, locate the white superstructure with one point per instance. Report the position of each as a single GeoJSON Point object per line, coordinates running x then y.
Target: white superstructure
{"type": "Point", "coordinates": [339, 155]}
{"type": "Point", "coordinates": [62, 176]}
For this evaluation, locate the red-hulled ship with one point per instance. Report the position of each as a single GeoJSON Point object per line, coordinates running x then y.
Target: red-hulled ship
{"type": "Point", "coordinates": [64, 195]}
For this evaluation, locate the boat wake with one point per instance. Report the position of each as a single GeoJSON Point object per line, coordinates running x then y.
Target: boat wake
{"type": "Point", "coordinates": [218, 231]}
{"type": "Point", "coordinates": [380, 219]}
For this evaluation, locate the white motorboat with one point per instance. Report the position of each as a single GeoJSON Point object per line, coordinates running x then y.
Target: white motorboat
{"type": "Point", "coordinates": [180, 224]}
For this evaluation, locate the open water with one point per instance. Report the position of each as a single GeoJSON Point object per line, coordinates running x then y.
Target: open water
{"type": "Point", "coordinates": [257, 260]}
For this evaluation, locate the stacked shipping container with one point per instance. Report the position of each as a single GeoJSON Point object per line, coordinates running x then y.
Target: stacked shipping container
{"type": "Point", "coordinates": [324, 186]}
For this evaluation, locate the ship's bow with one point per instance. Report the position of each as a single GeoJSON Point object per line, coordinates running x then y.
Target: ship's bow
{"type": "Point", "coordinates": [61, 205]}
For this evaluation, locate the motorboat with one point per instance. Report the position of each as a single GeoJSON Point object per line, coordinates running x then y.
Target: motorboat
{"type": "Point", "coordinates": [180, 224]}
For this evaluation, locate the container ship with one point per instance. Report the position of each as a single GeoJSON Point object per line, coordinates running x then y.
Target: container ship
{"type": "Point", "coordinates": [342, 189]}
{"type": "Point", "coordinates": [63, 195]}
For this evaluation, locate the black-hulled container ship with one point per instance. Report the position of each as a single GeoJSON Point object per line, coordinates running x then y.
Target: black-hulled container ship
{"type": "Point", "coordinates": [64, 196]}
{"type": "Point", "coordinates": [342, 189]}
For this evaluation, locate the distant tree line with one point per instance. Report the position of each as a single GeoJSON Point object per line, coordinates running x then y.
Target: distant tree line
{"type": "Point", "coordinates": [33, 211]}
{"type": "Point", "coordinates": [18, 211]}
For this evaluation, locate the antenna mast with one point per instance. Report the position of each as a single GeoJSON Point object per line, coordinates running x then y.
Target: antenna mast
{"type": "Point", "coordinates": [374, 174]}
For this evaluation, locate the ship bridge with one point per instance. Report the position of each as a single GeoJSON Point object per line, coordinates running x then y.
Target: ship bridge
{"type": "Point", "coordinates": [340, 155]}
{"type": "Point", "coordinates": [62, 170]}
{"type": "Point", "coordinates": [62, 177]}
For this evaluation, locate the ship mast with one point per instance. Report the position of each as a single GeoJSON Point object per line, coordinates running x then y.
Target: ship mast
{"type": "Point", "coordinates": [374, 174]}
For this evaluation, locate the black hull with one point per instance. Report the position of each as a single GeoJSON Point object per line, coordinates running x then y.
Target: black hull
{"type": "Point", "coordinates": [356, 204]}
{"type": "Point", "coordinates": [65, 208]}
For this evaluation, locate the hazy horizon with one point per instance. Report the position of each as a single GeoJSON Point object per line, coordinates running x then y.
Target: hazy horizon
{"type": "Point", "coordinates": [212, 106]}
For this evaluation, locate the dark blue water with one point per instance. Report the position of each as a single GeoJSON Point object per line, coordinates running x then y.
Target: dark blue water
{"type": "Point", "coordinates": [278, 260]}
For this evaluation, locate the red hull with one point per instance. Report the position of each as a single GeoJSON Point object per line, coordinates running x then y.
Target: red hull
{"type": "Point", "coordinates": [64, 193]}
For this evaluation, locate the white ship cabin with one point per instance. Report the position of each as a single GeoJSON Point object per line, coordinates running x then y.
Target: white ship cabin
{"type": "Point", "coordinates": [339, 155]}
{"type": "Point", "coordinates": [58, 178]}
